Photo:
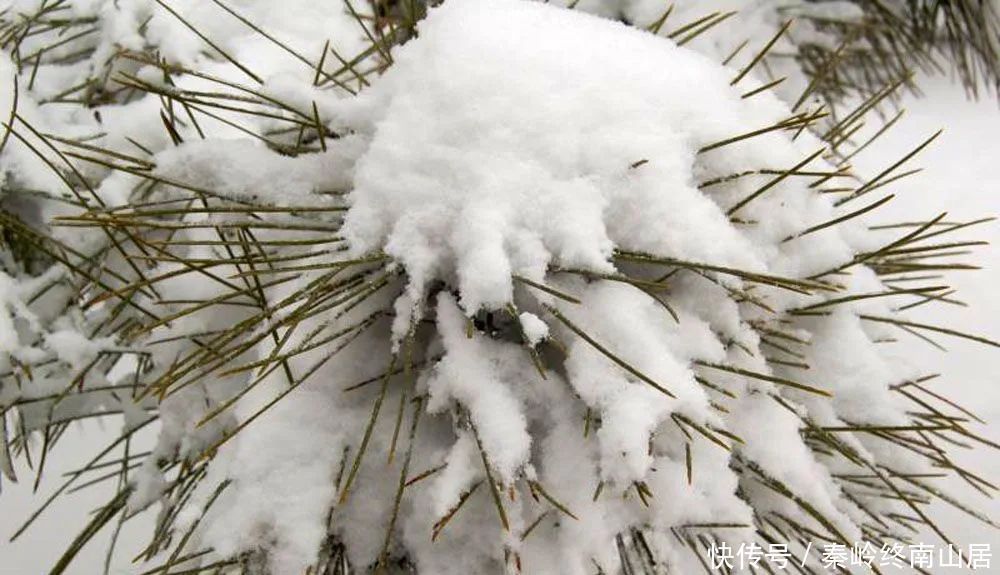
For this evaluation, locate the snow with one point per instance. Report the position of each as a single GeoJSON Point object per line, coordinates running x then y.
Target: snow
{"type": "Point", "coordinates": [568, 142]}
{"type": "Point", "coordinates": [534, 328]}
{"type": "Point", "coordinates": [472, 372]}
{"type": "Point", "coordinates": [245, 170]}
{"type": "Point", "coordinates": [754, 22]}
{"type": "Point", "coordinates": [638, 331]}
{"type": "Point", "coordinates": [496, 188]}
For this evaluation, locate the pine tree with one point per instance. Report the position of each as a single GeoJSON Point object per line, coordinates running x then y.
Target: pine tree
{"type": "Point", "coordinates": [486, 287]}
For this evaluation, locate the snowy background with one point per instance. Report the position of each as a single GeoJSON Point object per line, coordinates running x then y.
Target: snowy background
{"type": "Point", "coordinates": [961, 176]}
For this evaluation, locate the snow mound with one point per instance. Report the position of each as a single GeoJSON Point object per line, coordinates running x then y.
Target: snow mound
{"type": "Point", "coordinates": [493, 156]}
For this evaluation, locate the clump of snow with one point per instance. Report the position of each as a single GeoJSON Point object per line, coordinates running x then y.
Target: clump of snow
{"type": "Point", "coordinates": [73, 347]}
{"type": "Point", "coordinates": [497, 188]}
{"type": "Point", "coordinates": [747, 23]}
{"type": "Point", "coordinates": [248, 171]}
{"type": "Point", "coordinates": [534, 328]}
{"type": "Point", "coordinates": [471, 373]}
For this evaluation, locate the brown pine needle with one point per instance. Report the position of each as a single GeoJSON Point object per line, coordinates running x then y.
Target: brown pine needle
{"type": "Point", "coordinates": [763, 52]}
{"type": "Point", "coordinates": [764, 377]}
{"type": "Point", "coordinates": [934, 328]}
{"type": "Point", "coordinates": [773, 182]}
{"type": "Point", "coordinates": [537, 487]}
{"type": "Point", "coordinates": [494, 491]}
{"type": "Point", "coordinates": [607, 353]}
{"type": "Point", "coordinates": [547, 289]}
{"type": "Point", "coordinates": [443, 522]}
{"type": "Point", "coordinates": [205, 39]}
